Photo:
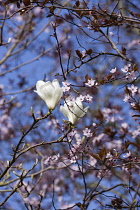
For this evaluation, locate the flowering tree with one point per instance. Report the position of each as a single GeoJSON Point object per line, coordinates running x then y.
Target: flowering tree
{"type": "Point", "coordinates": [69, 104]}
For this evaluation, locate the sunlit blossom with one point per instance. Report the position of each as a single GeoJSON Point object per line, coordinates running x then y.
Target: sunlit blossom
{"type": "Point", "coordinates": [87, 132]}
{"type": "Point", "coordinates": [113, 70]}
{"type": "Point", "coordinates": [116, 144]}
{"type": "Point", "coordinates": [133, 89]}
{"type": "Point", "coordinates": [130, 76]}
{"type": "Point", "coordinates": [88, 98]}
{"type": "Point", "coordinates": [125, 69]}
{"type": "Point", "coordinates": [91, 82]}
{"type": "Point", "coordinates": [66, 83]}
{"type": "Point", "coordinates": [81, 98]}
{"type": "Point", "coordinates": [126, 98]}
{"type": "Point", "coordinates": [136, 133]}
{"type": "Point", "coordinates": [133, 105]}
{"type": "Point", "coordinates": [111, 33]}
{"type": "Point", "coordinates": [133, 43]}
{"type": "Point", "coordinates": [65, 88]}
{"type": "Point", "coordinates": [124, 125]}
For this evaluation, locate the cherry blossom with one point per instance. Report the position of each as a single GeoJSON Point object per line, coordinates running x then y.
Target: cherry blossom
{"type": "Point", "coordinates": [88, 98]}
{"type": "Point", "coordinates": [116, 144]}
{"type": "Point", "coordinates": [126, 98]}
{"type": "Point", "coordinates": [91, 82]}
{"type": "Point", "coordinates": [66, 86]}
{"type": "Point", "coordinates": [124, 125]}
{"type": "Point", "coordinates": [136, 132]}
{"type": "Point", "coordinates": [113, 70]}
{"type": "Point", "coordinates": [111, 33]}
{"type": "Point", "coordinates": [133, 89]}
{"type": "Point", "coordinates": [81, 98]}
{"type": "Point", "coordinates": [109, 156]}
{"type": "Point", "coordinates": [87, 132]}
{"type": "Point", "coordinates": [130, 76]}
{"type": "Point", "coordinates": [133, 105]}
{"type": "Point", "coordinates": [125, 69]}
{"type": "Point", "coordinates": [99, 137]}
{"type": "Point", "coordinates": [133, 43]}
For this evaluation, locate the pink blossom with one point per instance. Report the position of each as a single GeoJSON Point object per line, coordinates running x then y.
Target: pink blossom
{"type": "Point", "coordinates": [133, 105]}
{"type": "Point", "coordinates": [87, 132]}
{"type": "Point", "coordinates": [94, 124]}
{"type": "Point", "coordinates": [37, 11]}
{"type": "Point", "coordinates": [71, 99]}
{"type": "Point", "coordinates": [113, 70]}
{"type": "Point", "coordinates": [81, 98]}
{"type": "Point", "coordinates": [133, 89]}
{"type": "Point", "coordinates": [66, 83]}
{"type": "Point", "coordinates": [133, 43]}
{"type": "Point", "coordinates": [92, 161]}
{"type": "Point", "coordinates": [32, 201]}
{"type": "Point", "coordinates": [73, 159]}
{"type": "Point", "coordinates": [124, 125]}
{"type": "Point", "coordinates": [111, 33]}
{"type": "Point", "coordinates": [91, 82]}
{"type": "Point", "coordinates": [124, 69]}
{"type": "Point", "coordinates": [116, 144]}
{"type": "Point", "coordinates": [52, 159]}
{"type": "Point", "coordinates": [98, 138]}
{"type": "Point", "coordinates": [131, 75]}
{"type": "Point", "coordinates": [109, 156]}
{"type": "Point", "coordinates": [126, 98]}
{"type": "Point", "coordinates": [88, 98]}
{"type": "Point", "coordinates": [66, 86]}
{"type": "Point", "coordinates": [136, 133]}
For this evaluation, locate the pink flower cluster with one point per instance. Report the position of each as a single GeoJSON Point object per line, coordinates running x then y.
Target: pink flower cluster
{"type": "Point", "coordinates": [66, 86]}
{"type": "Point", "coordinates": [87, 132]}
{"type": "Point", "coordinates": [88, 98]}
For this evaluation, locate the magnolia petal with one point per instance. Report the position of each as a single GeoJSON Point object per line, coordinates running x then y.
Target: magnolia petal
{"type": "Point", "coordinates": [39, 84]}
{"type": "Point", "coordinates": [85, 111]}
{"type": "Point", "coordinates": [58, 94]}
{"type": "Point", "coordinates": [72, 118]}
{"type": "Point", "coordinates": [55, 84]}
{"type": "Point", "coordinates": [68, 113]}
{"type": "Point", "coordinates": [78, 110]}
{"type": "Point", "coordinates": [64, 111]}
{"type": "Point", "coordinates": [73, 110]}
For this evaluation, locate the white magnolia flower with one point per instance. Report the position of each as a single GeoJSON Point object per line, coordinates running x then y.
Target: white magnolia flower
{"type": "Point", "coordinates": [73, 110]}
{"type": "Point", "coordinates": [50, 92]}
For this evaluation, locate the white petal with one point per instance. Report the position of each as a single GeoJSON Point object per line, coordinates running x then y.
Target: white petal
{"type": "Point", "coordinates": [72, 117]}
{"type": "Point", "coordinates": [49, 92]}
{"type": "Point", "coordinates": [39, 84]}
{"type": "Point", "coordinates": [78, 110]}
{"type": "Point", "coordinates": [85, 111]}
{"type": "Point", "coordinates": [55, 83]}
{"type": "Point", "coordinates": [57, 95]}
{"type": "Point", "coordinates": [64, 111]}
